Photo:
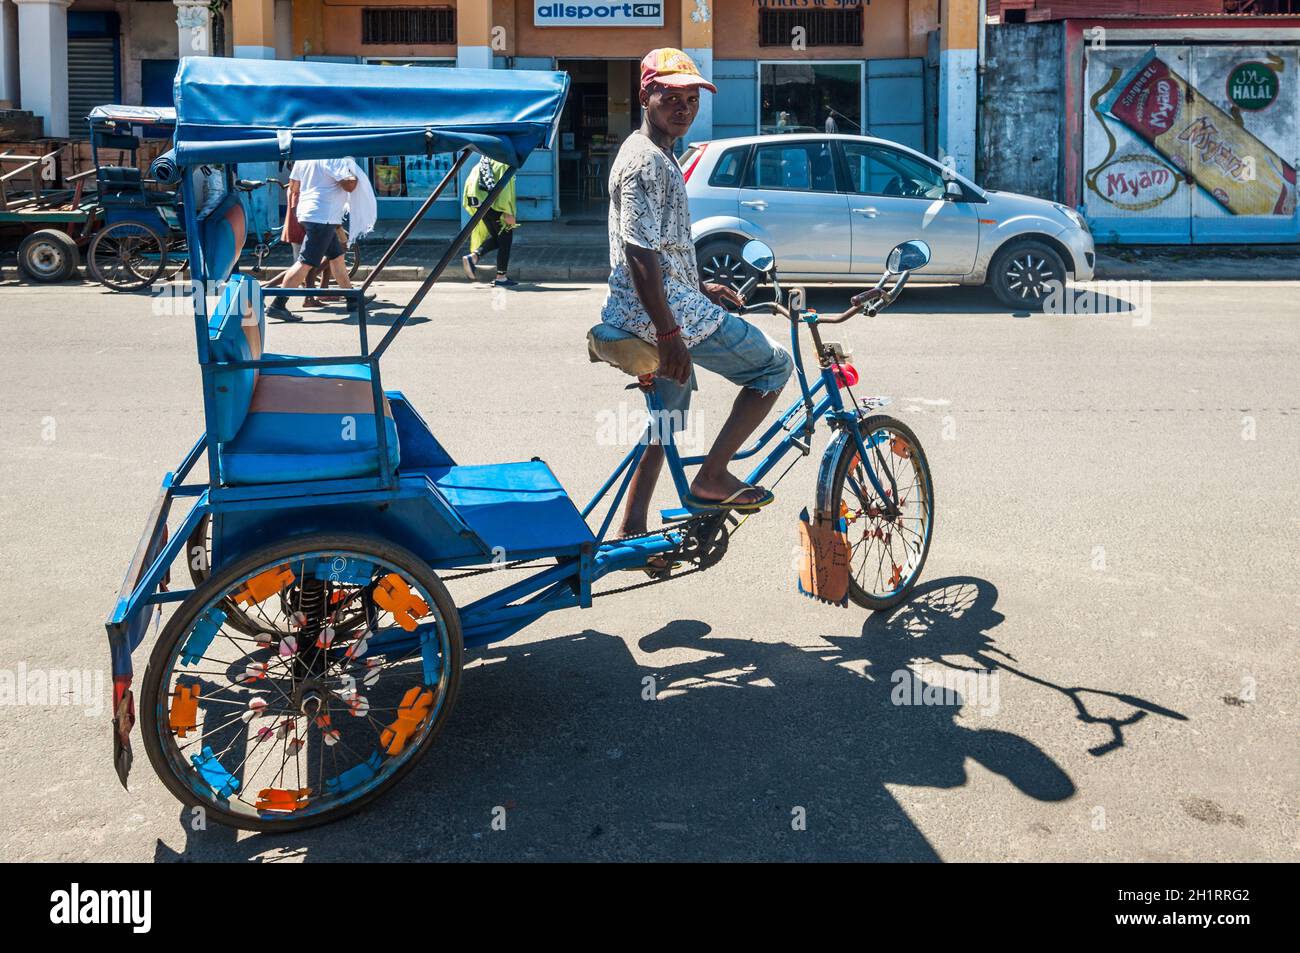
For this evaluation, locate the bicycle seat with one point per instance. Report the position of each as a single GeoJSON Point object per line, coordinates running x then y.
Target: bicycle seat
{"type": "Point", "coordinates": [618, 348]}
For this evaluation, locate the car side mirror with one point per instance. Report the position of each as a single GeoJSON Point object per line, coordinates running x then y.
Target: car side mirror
{"type": "Point", "coordinates": [758, 255]}
{"type": "Point", "coordinates": [953, 191]}
{"type": "Point", "coordinates": [909, 256]}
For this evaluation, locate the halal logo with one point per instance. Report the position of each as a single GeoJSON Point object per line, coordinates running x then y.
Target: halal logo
{"type": "Point", "coordinates": [1252, 85]}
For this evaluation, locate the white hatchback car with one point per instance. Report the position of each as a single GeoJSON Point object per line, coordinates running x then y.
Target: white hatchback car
{"type": "Point", "coordinates": [832, 206]}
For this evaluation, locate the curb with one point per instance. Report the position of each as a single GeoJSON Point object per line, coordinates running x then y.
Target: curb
{"type": "Point", "coordinates": [525, 273]}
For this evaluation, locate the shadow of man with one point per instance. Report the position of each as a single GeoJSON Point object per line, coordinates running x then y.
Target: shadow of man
{"type": "Point", "coordinates": [714, 747]}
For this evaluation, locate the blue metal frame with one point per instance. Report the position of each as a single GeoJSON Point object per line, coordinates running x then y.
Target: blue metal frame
{"type": "Point", "coordinates": [797, 422]}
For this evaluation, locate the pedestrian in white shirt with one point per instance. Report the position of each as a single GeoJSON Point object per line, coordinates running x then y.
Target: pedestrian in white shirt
{"type": "Point", "coordinates": [318, 192]}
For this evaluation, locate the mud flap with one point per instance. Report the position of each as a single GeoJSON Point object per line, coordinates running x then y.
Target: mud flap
{"type": "Point", "coordinates": [824, 567]}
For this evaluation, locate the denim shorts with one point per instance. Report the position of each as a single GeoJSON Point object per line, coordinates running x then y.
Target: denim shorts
{"type": "Point", "coordinates": [321, 244]}
{"type": "Point", "coordinates": [737, 350]}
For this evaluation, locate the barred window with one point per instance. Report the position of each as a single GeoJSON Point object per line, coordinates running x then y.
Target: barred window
{"type": "Point", "coordinates": [841, 27]}
{"type": "Point", "coordinates": [408, 25]}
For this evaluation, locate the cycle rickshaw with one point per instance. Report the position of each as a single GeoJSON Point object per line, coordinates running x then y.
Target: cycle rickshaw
{"type": "Point", "coordinates": [318, 652]}
{"type": "Point", "coordinates": [142, 238]}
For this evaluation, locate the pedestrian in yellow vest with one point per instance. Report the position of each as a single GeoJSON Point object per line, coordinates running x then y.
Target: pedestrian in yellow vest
{"type": "Point", "coordinates": [495, 229]}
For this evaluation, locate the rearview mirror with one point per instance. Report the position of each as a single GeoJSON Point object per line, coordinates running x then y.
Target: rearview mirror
{"type": "Point", "coordinates": [758, 255]}
{"type": "Point", "coordinates": [908, 256]}
{"type": "Point", "coordinates": [954, 190]}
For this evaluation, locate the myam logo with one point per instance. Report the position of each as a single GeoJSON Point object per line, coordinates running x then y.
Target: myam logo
{"type": "Point", "coordinates": [77, 906]}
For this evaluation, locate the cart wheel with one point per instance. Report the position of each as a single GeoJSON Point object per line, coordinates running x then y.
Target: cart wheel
{"type": "Point", "coordinates": [127, 256]}
{"type": "Point", "coordinates": [886, 555]}
{"type": "Point", "coordinates": [178, 258]}
{"type": "Point", "coordinates": [352, 259]}
{"type": "Point", "coordinates": [48, 256]}
{"type": "Point", "coordinates": [304, 724]}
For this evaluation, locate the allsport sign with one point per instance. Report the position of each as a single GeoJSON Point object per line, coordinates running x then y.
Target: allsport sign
{"type": "Point", "coordinates": [552, 13]}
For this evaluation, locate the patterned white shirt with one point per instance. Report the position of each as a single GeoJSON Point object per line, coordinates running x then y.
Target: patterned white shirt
{"type": "Point", "coordinates": [648, 207]}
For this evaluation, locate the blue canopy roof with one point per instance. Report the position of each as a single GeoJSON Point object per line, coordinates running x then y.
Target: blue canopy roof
{"type": "Point", "coordinates": [247, 110]}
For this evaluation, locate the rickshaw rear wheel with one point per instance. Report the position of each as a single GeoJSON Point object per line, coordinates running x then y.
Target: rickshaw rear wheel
{"type": "Point", "coordinates": [293, 801]}
{"type": "Point", "coordinates": [127, 256]}
{"type": "Point", "coordinates": [48, 255]}
{"type": "Point", "coordinates": [886, 556]}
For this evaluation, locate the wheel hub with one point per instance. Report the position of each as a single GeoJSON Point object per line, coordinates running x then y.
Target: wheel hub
{"type": "Point", "coordinates": [309, 698]}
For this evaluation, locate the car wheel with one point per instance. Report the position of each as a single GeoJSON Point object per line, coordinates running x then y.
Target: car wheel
{"type": "Point", "coordinates": [719, 260]}
{"type": "Point", "coordinates": [1025, 273]}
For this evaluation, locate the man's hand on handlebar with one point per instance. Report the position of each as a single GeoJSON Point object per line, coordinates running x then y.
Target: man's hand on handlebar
{"type": "Point", "coordinates": [721, 295]}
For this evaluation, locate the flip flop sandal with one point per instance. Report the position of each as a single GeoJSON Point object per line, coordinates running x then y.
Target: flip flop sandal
{"type": "Point", "coordinates": [695, 503]}
{"type": "Point", "coordinates": [655, 572]}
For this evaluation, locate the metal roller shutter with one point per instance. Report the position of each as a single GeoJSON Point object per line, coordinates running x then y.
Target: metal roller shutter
{"type": "Point", "coordinates": [92, 77]}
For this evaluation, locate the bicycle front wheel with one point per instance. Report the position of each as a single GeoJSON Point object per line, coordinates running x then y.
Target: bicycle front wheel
{"type": "Point", "coordinates": [887, 553]}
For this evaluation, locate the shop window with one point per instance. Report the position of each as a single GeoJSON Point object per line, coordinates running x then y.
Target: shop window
{"type": "Point", "coordinates": [411, 177]}
{"type": "Point", "coordinates": [799, 166]}
{"type": "Point", "coordinates": [841, 27]}
{"type": "Point", "coordinates": [810, 97]}
{"type": "Point", "coordinates": [408, 25]}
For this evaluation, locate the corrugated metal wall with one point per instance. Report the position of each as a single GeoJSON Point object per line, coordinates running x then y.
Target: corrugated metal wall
{"type": "Point", "coordinates": [92, 77]}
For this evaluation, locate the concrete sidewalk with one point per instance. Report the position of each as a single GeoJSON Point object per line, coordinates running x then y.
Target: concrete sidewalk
{"type": "Point", "coordinates": [578, 250]}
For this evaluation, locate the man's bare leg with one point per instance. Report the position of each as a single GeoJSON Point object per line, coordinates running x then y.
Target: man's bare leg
{"type": "Point", "coordinates": [339, 269]}
{"type": "Point", "coordinates": [636, 514]}
{"type": "Point", "coordinates": [714, 481]}
{"type": "Point", "coordinates": [295, 275]}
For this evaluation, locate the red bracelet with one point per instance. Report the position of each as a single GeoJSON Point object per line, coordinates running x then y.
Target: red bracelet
{"type": "Point", "coordinates": [669, 335]}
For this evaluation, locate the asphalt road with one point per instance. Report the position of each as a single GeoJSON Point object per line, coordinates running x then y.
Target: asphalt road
{"type": "Point", "coordinates": [1115, 549]}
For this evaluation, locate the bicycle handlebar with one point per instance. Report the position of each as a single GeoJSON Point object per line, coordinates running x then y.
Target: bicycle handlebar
{"type": "Point", "coordinates": [252, 185]}
{"type": "Point", "coordinates": [870, 302]}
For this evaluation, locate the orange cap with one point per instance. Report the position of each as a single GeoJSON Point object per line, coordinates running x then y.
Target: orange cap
{"type": "Point", "coordinates": [670, 67]}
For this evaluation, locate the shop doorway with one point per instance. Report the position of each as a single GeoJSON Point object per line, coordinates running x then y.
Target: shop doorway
{"type": "Point", "coordinates": [602, 110]}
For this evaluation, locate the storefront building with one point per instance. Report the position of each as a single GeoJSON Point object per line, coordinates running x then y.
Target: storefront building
{"type": "Point", "coordinates": [780, 65]}
{"type": "Point", "coordinates": [900, 69]}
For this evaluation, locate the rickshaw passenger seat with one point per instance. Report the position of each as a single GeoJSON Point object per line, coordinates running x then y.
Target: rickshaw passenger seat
{"type": "Point", "coordinates": [287, 424]}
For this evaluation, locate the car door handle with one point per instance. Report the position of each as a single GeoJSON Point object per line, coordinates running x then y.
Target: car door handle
{"type": "Point", "coordinates": [755, 203]}
{"type": "Point", "coordinates": [869, 212]}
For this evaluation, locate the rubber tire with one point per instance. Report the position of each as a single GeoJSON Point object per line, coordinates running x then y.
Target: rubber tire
{"type": "Point", "coordinates": [997, 278]}
{"type": "Point", "coordinates": [355, 252]}
{"type": "Point", "coordinates": [179, 625]}
{"type": "Point", "coordinates": [859, 595]}
{"type": "Point", "coordinates": [711, 247]}
{"type": "Point", "coordinates": [66, 246]}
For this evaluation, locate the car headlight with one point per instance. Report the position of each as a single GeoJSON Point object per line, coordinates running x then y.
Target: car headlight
{"type": "Point", "coordinates": [1073, 215]}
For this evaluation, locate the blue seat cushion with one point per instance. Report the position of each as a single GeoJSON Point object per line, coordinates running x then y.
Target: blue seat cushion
{"type": "Point", "coordinates": [314, 423]}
